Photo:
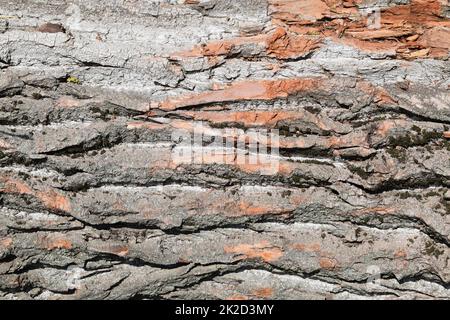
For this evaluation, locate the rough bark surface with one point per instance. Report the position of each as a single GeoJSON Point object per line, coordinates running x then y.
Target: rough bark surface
{"type": "Point", "coordinates": [93, 206]}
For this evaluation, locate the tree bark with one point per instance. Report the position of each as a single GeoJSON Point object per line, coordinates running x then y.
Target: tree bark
{"type": "Point", "coordinates": [127, 147]}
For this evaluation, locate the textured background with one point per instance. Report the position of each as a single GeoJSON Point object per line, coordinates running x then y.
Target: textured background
{"type": "Point", "coordinates": [93, 205]}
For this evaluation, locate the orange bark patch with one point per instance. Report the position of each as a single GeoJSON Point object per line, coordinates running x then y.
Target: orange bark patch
{"type": "Point", "coordinates": [254, 163]}
{"type": "Point", "coordinates": [246, 208]}
{"type": "Point", "coordinates": [265, 90]}
{"type": "Point", "coordinates": [301, 12]}
{"type": "Point", "coordinates": [246, 118]}
{"type": "Point", "coordinates": [418, 12]}
{"type": "Point", "coordinates": [237, 297]}
{"type": "Point", "coordinates": [68, 102]}
{"type": "Point", "coordinates": [367, 46]}
{"type": "Point", "coordinates": [5, 243]}
{"type": "Point", "coordinates": [257, 118]}
{"type": "Point", "coordinates": [117, 249]}
{"type": "Point", "coordinates": [250, 209]}
{"type": "Point", "coordinates": [416, 30]}
{"type": "Point", "coordinates": [266, 166]}
{"type": "Point", "coordinates": [327, 263]}
{"type": "Point", "coordinates": [219, 48]}
{"type": "Point", "coordinates": [324, 261]}
{"type": "Point", "coordinates": [303, 25]}
{"type": "Point", "coordinates": [355, 139]}
{"type": "Point", "coordinates": [14, 186]}
{"type": "Point", "coordinates": [145, 125]}
{"type": "Point", "coordinates": [54, 200]}
{"type": "Point", "coordinates": [376, 210]}
{"type": "Point", "coordinates": [380, 34]}
{"type": "Point", "coordinates": [384, 127]}
{"type": "Point", "coordinates": [55, 242]}
{"type": "Point", "coordinates": [379, 95]}
{"type": "Point", "coordinates": [279, 44]}
{"type": "Point", "coordinates": [437, 40]}
{"type": "Point", "coordinates": [120, 250]}
{"type": "Point", "coordinates": [262, 250]}
{"type": "Point", "coordinates": [282, 45]}
{"type": "Point", "coordinates": [307, 247]}
{"type": "Point", "coordinates": [49, 198]}
{"type": "Point", "coordinates": [4, 144]}
{"type": "Point", "coordinates": [263, 292]}
{"type": "Point", "coordinates": [400, 254]}
{"type": "Point", "coordinates": [244, 90]}
{"type": "Point", "coordinates": [447, 134]}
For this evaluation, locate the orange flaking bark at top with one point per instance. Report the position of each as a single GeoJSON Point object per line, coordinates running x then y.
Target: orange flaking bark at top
{"type": "Point", "coordinates": [307, 247]}
{"type": "Point", "coordinates": [408, 30]}
{"type": "Point", "coordinates": [278, 44]}
{"type": "Point", "coordinates": [245, 118]}
{"type": "Point", "coordinates": [238, 297]}
{"type": "Point", "coordinates": [415, 30]}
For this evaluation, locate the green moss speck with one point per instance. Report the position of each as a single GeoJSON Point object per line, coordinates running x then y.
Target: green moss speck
{"type": "Point", "coordinates": [74, 80]}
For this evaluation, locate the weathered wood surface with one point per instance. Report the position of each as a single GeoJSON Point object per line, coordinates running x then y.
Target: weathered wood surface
{"type": "Point", "coordinates": [93, 204]}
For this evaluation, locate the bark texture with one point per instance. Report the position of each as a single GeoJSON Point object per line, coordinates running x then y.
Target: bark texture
{"type": "Point", "coordinates": [93, 205]}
